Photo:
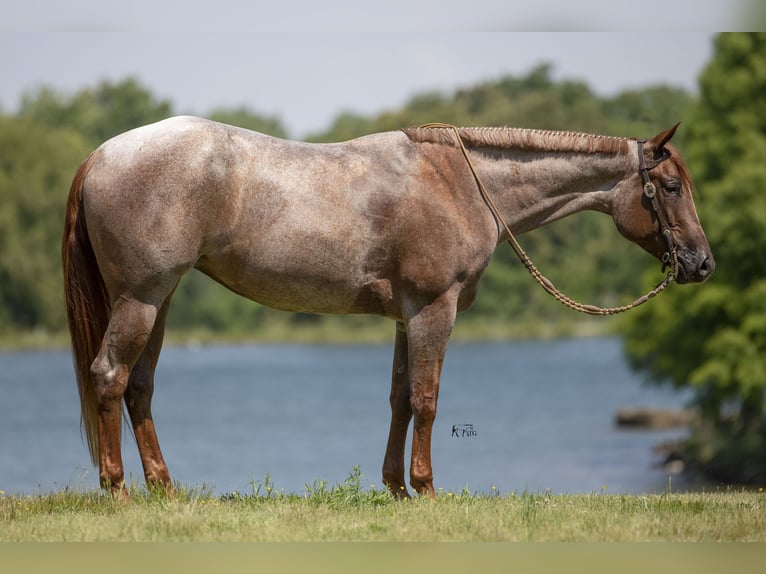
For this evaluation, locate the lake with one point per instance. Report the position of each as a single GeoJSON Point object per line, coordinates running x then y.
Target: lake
{"type": "Point", "coordinates": [515, 416]}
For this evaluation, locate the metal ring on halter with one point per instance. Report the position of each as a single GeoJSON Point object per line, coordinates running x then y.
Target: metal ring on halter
{"type": "Point", "coordinates": [650, 190]}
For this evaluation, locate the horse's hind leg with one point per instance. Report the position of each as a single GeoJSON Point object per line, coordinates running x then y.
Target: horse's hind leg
{"type": "Point", "coordinates": [401, 415]}
{"type": "Point", "coordinates": [138, 400]}
{"type": "Point", "coordinates": [128, 333]}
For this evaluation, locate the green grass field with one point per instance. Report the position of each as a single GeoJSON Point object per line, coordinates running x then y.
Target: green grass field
{"type": "Point", "coordinates": [355, 512]}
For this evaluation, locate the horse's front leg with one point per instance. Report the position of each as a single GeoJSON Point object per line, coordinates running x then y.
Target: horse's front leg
{"type": "Point", "coordinates": [401, 415]}
{"type": "Point", "coordinates": [428, 332]}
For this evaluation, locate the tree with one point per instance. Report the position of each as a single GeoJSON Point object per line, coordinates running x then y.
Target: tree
{"type": "Point", "coordinates": [713, 337]}
{"type": "Point", "coordinates": [96, 113]}
{"type": "Point", "coordinates": [36, 168]}
{"type": "Point", "coordinates": [662, 106]}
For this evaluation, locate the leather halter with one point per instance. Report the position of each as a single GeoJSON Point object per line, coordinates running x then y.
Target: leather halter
{"type": "Point", "coordinates": [669, 258]}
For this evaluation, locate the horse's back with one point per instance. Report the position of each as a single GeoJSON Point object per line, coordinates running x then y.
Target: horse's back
{"type": "Point", "coordinates": [187, 160]}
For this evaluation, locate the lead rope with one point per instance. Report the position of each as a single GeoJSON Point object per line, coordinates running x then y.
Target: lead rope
{"type": "Point", "coordinates": [670, 259]}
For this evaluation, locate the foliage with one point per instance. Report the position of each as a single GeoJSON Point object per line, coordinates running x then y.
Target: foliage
{"type": "Point", "coordinates": [713, 338]}
{"type": "Point", "coordinates": [533, 101]}
{"type": "Point", "coordinates": [36, 167]}
{"type": "Point", "coordinates": [98, 113]}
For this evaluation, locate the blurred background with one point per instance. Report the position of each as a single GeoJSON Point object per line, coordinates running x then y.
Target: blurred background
{"type": "Point", "coordinates": [77, 77]}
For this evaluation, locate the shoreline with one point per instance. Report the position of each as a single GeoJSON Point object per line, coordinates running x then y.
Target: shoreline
{"type": "Point", "coordinates": [336, 330]}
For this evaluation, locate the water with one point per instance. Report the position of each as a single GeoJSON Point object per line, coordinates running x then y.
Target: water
{"type": "Point", "coordinates": [542, 413]}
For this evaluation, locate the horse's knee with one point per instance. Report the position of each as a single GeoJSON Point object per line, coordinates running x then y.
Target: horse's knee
{"type": "Point", "coordinates": [424, 409]}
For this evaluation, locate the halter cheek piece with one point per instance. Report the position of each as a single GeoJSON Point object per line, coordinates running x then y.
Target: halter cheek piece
{"type": "Point", "coordinates": [669, 258]}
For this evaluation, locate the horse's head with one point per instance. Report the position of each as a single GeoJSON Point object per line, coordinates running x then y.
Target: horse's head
{"type": "Point", "coordinates": [657, 211]}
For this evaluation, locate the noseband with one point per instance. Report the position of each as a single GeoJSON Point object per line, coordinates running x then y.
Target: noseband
{"type": "Point", "coordinates": [669, 258]}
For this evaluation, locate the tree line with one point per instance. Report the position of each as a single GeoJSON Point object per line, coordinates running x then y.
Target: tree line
{"type": "Point", "coordinates": [710, 337]}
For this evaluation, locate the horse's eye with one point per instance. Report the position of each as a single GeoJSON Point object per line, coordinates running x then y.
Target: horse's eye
{"type": "Point", "coordinates": [673, 186]}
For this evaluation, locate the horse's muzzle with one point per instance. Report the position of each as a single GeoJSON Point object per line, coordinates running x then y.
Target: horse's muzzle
{"type": "Point", "coordinates": [695, 267]}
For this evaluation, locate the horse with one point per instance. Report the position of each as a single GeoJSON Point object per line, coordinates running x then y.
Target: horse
{"type": "Point", "coordinates": [391, 224]}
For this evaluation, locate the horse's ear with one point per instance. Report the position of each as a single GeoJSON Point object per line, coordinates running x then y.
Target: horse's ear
{"type": "Point", "coordinates": [658, 142]}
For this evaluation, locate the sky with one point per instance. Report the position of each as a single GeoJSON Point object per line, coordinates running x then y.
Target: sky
{"type": "Point", "coordinates": [306, 62]}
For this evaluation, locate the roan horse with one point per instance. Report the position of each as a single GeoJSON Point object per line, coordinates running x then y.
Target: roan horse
{"type": "Point", "coordinates": [390, 224]}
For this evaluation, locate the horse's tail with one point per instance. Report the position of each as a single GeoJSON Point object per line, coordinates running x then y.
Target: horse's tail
{"type": "Point", "coordinates": [87, 302]}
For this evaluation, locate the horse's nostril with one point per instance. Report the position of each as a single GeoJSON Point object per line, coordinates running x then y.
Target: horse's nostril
{"type": "Point", "coordinates": [706, 267]}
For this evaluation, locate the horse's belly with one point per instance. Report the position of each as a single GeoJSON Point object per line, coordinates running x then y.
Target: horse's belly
{"type": "Point", "coordinates": [297, 289]}
{"type": "Point", "coordinates": [307, 298]}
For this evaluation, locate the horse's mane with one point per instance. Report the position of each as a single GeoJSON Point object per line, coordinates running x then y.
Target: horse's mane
{"type": "Point", "coordinates": [521, 139]}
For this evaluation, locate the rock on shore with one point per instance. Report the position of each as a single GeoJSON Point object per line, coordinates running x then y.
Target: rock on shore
{"type": "Point", "coordinates": [652, 418]}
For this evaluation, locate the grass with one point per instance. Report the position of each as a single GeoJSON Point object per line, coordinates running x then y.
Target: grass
{"type": "Point", "coordinates": [352, 511]}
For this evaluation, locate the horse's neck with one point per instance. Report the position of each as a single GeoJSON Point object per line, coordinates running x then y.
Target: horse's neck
{"type": "Point", "coordinates": [532, 189]}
